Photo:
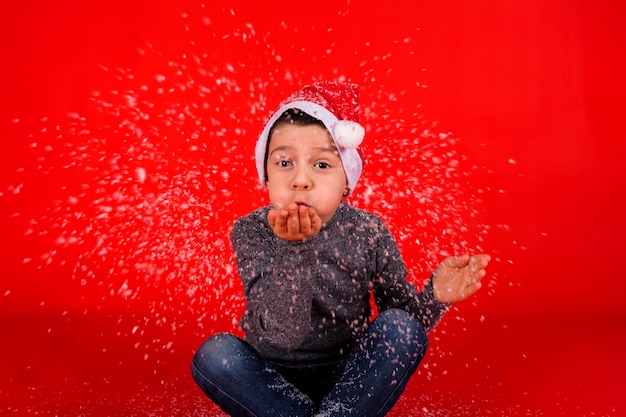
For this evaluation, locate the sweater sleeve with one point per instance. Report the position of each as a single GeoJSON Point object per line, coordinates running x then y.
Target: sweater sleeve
{"type": "Point", "coordinates": [393, 290]}
{"type": "Point", "coordinates": [426, 306]}
{"type": "Point", "coordinates": [277, 280]}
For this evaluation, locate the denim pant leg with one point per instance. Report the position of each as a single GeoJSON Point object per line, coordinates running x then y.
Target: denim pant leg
{"type": "Point", "coordinates": [242, 383]}
{"type": "Point", "coordinates": [378, 368]}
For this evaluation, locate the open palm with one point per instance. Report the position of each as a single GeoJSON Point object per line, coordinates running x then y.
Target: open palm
{"type": "Point", "coordinates": [459, 277]}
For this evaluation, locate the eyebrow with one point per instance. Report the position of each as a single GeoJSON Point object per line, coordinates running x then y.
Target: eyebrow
{"type": "Point", "coordinates": [326, 148]}
{"type": "Point", "coordinates": [281, 148]}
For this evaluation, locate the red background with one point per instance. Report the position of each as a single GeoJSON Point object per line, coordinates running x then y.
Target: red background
{"type": "Point", "coordinates": [109, 282]}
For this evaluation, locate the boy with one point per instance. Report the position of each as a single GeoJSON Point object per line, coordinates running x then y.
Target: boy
{"type": "Point", "coordinates": [309, 264]}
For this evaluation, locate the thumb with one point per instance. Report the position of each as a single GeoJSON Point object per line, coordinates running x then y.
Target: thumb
{"type": "Point", "coordinates": [457, 261]}
{"type": "Point", "coordinates": [271, 218]}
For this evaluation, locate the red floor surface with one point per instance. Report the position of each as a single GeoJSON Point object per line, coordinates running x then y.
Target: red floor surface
{"type": "Point", "coordinates": [76, 365]}
{"type": "Point", "coordinates": [126, 137]}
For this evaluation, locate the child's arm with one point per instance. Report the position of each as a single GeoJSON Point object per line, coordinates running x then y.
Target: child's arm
{"type": "Point", "coordinates": [455, 279]}
{"type": "Point", "coordinates": [393, 290]}
{"type": "Point", "coordinates": [459, 277]}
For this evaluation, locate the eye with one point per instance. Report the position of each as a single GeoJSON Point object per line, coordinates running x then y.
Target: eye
{"type": "Point", "coordinates": [322, 165]}
{"type": "Point", "coordinates": [283, 163]}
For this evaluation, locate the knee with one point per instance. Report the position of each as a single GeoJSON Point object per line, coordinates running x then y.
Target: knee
{"type": "Point", "coordinates": [214, 354]}
{"type": "Point", "coordinates": [214, 346]}
{"type": "Point", "coordinates": [404, 327]}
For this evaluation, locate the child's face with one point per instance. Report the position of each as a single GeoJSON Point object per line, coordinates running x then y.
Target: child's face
{"type": "Point", "coordinates": [303, 166]}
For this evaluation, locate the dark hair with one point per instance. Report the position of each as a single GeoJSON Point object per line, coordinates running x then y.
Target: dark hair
{"type": "Point", "coordinates": [290, 116]}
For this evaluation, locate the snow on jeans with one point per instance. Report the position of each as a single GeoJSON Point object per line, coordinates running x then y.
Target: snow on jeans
{"type": "Point", "coordinates": [367, 383]}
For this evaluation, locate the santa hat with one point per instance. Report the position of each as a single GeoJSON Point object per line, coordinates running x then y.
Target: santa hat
{"type": "Point", "coordinates": [336, 106]}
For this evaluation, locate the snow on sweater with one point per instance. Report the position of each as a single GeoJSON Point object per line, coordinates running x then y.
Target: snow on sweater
{"type": "Point", "coordinates": [308, 301]}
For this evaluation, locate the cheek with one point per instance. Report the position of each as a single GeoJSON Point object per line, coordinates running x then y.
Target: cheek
{"type": "Point", "coordinates": [341, 182]}
{"type": "Point", "coordinates": [275, 196]}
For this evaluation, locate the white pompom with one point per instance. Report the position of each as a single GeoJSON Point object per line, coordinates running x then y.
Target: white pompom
{"type": "Point", "coordinates": [348, 134]}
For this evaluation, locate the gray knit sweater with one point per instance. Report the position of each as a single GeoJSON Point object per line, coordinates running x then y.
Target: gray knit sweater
{"type": "Point", "coordinates": [309, 301]}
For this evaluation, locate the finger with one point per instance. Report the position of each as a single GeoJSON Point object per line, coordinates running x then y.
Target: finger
{"type": "Point", "coordinates": [456, 261]}
{"type": "Point", "coordinates": [471, 289]}
{"type": "Point", "coordinates": [281, 220]}
{"type": "Point", "coordinates": [316, 221]}
{"type": "Point", "coordinates": [483, 258]}
{"type": "Point", "coordinates": [478, 262]}
{"type": "Point", "coordinates": [475, 277]}
{"type": "Point", "coordinates": [293, 219]}
{"type": "Point", "coordinates": [305, 219]}
{"type": "Point", "coordinates": [271, 218]}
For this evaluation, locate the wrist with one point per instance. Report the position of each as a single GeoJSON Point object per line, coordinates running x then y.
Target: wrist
{"type": "Point", "coordinates": [435, 291]}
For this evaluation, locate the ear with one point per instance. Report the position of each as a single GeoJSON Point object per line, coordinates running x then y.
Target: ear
{"type": "Point", "coordinates": [346, 192]}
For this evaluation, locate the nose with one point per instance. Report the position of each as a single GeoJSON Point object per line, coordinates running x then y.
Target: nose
{"type": "Point", "coordinates": [301, 179]}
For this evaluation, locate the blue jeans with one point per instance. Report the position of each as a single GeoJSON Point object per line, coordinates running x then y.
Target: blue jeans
{"type": "Point", "coordinates": [367, 383]}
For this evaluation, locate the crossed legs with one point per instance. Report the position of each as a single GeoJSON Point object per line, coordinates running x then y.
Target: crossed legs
{"type": "Point", "coordinates": [371, 380]}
